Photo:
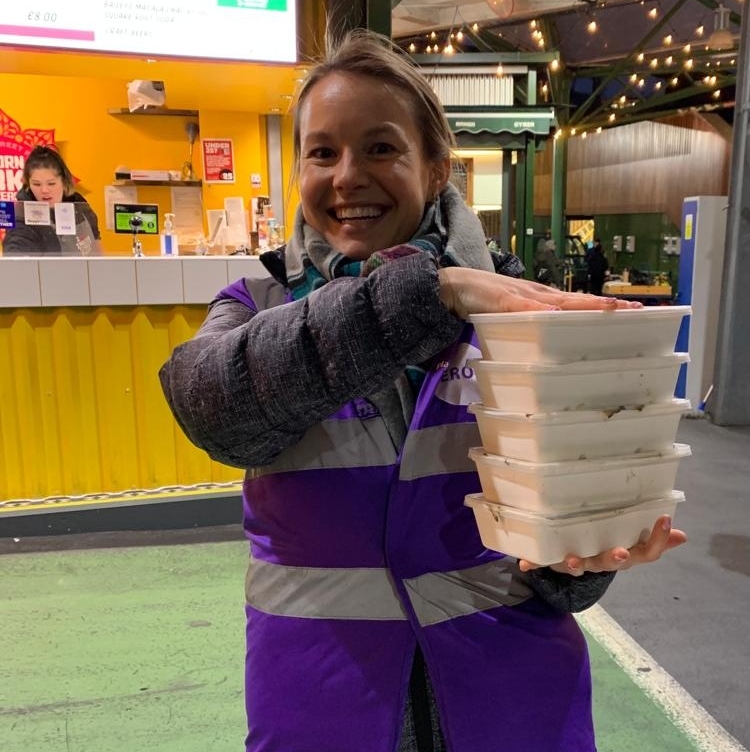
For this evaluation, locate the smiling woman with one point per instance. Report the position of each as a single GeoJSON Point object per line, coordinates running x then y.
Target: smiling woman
{"type": "Point", "coordinates": [363, 187]}
{"type": "Point", "coordinates": [376, 619]}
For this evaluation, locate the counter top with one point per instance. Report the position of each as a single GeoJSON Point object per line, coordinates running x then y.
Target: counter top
{"type": "Point", "coordinates": [38, 281]}
{"type": "Point", "coordinates": [622, 289]}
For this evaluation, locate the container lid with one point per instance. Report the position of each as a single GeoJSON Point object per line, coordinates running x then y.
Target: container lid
{"type": "Point", "coordinates": [585, 416]}
{"type": "Point", "coordinates": [570, 467]}
{"type": "Point", "coordinates": [573, 318]}
{"type": "Point", "coordinates": [572, 518]}
{"type": "Point", "coordinates": [581, 367]}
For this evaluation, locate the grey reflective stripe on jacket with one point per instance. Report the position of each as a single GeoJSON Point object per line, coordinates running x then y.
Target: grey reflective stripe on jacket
{"type": "Point", "coordinates": [356, 593]}
{"type": "Point", "coordinates": [336, 443]}
{"type": "Point", "coordinates": [426, 450]}
{"type": "Point", "coordinates": [350, 443]}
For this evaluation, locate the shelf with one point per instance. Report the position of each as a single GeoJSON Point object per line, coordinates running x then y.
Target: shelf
{"type": "Point", "coordinates": [153, 111]}
{"type": "Point", "coordinates": [183, 183]}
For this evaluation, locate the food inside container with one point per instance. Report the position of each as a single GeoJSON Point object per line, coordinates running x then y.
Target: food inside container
{"type": "Point", "coordinates": [579, 485]}
{"type": "Point", "coordinates": [547, 540]}
{"type": "Point", "coordinates": [579, 385]}
{"type": "Point", "coordinates": [579, 434]}
{"type": "Point", "coordinates": [566, 336]}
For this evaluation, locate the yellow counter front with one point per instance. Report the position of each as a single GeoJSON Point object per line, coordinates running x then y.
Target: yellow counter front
{"type": "Point", "coordinates": [81, 408]}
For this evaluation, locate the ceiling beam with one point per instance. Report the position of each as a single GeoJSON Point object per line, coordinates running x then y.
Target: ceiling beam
{"type": "Point", "coordinates": [617, 70]}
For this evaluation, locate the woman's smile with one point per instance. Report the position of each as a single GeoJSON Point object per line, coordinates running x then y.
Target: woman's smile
{"type": "Point", "coordinates": [358, 221]}
{"type": "Point", "coordinates": [357, 213]}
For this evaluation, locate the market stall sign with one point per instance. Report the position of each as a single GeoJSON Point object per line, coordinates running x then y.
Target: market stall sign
{"type": "Point", "coordinates": [538, 122]}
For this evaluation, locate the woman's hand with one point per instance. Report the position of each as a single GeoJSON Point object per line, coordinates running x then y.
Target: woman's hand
{"type": "Point", "coordinates": [465, 291]}
{"type": "Point", "coordinates": [663, 538]}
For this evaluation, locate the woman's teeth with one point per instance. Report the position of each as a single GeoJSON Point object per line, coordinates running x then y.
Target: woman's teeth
{"type": "Point", "coordinates": [359, 212]}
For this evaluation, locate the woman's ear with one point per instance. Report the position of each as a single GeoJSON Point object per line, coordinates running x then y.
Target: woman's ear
{"type": "Point", "coordinates": [441, 172]}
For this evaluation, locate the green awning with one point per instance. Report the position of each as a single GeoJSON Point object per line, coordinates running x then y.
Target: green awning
{"type": "Point", "coordinates": [536, 121]}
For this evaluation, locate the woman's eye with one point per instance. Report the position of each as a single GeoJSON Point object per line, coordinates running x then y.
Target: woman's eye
{"type": "Point", "coordinates": [321, 152]}
{"type": "Point", "coordinates": [382, 148]}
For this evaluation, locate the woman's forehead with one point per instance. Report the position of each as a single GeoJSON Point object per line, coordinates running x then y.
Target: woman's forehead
{"type": "Point", "coordinates": [340, 96]}
{"type": "Point", "coordinates": [44, 173]}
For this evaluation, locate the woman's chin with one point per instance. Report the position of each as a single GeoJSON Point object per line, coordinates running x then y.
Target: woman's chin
{"type": "Point", "coordinates": [356, 250]}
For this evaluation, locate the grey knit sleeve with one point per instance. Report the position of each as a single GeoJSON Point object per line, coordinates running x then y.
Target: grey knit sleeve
{"type": "Point", "coordinates": [567, 593]}
{"type": "Point", "coordinates": [248, 385]}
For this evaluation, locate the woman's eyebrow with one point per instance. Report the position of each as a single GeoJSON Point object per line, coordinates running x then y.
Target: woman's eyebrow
{"type": "Point", "coordinates": [381, 129]}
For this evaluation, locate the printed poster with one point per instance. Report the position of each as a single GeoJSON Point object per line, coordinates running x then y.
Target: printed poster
{"type": "Point", "coordinates": [218, 160]}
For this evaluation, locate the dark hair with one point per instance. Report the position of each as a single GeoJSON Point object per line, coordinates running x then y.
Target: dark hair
{"type": "Point", "coordinates": [47, 158]}
{"type": "Point", "coordinates": [367, 53]}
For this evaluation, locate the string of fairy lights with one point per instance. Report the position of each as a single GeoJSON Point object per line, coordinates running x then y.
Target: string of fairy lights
{"type": "Point", "coordinates": [671, 62]}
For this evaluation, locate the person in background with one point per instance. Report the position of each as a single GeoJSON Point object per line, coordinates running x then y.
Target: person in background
{"type": "Point", "coordinates": [47, 178]}
{"type": "Point", "coordinates": [376, 619]}
{"type": "Point", "coordinates": [598, 267]}
{"type": "Point", "coordinates": [548, 268]}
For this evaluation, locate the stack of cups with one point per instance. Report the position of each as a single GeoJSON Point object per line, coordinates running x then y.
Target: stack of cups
{"type": "Point", "coordinates": [578, 422]}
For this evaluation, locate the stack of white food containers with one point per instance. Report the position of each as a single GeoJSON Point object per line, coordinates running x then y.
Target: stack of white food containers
{"type": "Point", "coordinates": [578, 423]}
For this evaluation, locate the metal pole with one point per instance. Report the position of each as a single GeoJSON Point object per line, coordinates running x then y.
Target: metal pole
{"type": "Point", "coordinates": [379, 16]}
{"type": "Point", "coordinates": [730, 403]}
{"type": "Point", "coordinates": [525, 209]}
{"type": "Point", "coordinates": [559, 173]}
{"type": "Point", "coordinates": [343, 15]}
{"type": "Point", "coordinates": [506, 203]}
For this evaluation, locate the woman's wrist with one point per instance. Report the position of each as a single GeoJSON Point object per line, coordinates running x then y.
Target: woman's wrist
{"type": "Point", "coordinates": [446, 281]}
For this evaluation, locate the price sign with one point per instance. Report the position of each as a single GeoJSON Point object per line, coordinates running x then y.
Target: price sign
{"type": "Point", "coordinates": [250, 29]}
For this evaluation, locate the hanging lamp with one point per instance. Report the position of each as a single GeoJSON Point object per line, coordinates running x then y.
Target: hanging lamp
{"type": "Point", "coordinates": [721, 38]}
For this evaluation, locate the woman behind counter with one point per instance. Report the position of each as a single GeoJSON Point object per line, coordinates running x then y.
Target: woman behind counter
{"type": "Point", "coordinates": [47, 178]}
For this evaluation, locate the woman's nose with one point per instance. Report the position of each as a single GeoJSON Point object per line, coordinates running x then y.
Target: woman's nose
{"type": "Point", "coordinates": [350, 171]}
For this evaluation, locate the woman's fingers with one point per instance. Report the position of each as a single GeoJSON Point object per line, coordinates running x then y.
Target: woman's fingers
{"type": "Point", "coordinates": [586, 302]}
{"type": "Point", "coordinates": [467, 291]}
{"type": "Point", "coordinates": [663, 537]}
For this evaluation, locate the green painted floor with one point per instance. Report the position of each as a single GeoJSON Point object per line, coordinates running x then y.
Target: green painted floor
{"type": "Point", "coordinates": [131, 649]}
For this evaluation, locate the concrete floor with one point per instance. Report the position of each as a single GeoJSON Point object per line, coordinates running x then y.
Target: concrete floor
{"type": "Point", "coordinates": [125, 641]}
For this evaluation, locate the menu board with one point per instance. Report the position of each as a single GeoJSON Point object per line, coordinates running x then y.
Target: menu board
{"type": "Point", "coordinates": [257, 30]}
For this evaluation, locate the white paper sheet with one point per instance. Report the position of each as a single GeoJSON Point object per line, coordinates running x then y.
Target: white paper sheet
{"type": "Point", "coordinates": [117, 194]}
{"type": "Point", "coordinates": [187, 207]}
{"type": "Point", "coordinates": [36, 213]}
{"type": "Point", "coordinates": [65, 219]}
